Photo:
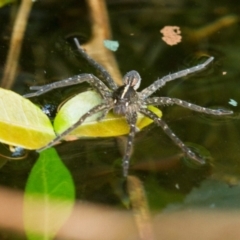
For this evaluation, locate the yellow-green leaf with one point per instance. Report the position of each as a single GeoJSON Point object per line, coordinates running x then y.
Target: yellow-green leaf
{"type": "Point", "coordinates": [22, 123]}
{"type": "Point", "coordinates": [111, 125]}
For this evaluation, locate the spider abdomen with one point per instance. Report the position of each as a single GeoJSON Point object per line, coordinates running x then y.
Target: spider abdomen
{"type": "Point", "coordinates": [124, 108]}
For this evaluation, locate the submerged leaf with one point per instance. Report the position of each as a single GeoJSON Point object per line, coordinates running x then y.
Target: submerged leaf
{"type": "Point", "coordinates": [49, 196]}
{"type": "Point", "coordinates": [211, 194]}
{"type": "Point", "coordinates": [112, 125]}
{"type": "Point", "coordinates": [22, 123]}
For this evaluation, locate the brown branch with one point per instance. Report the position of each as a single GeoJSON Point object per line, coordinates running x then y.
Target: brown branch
{"type": "Point", "coordinates": [140, 208]}
{"type": "Point", "coordinates": [89, 221]}
{"type": "Point", "coordinates": [100, 32]}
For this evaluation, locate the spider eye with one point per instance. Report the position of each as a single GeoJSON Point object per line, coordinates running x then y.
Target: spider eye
{"type": "Point", "coordinates": [132, 79]}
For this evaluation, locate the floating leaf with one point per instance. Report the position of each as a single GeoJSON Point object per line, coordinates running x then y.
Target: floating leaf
{"type": "Point", "coordinates": [233, 102]}
{"type": "Point", "coordinates": [49, 196]}
{"type": "Point", "coordinates": [22, 123]}
{"type": "Point", "coordinates": [111, 125]}
{"type": "Point", "coordinates": [111, 45]}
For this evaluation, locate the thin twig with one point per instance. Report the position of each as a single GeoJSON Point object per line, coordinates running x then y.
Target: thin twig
{"type": "Point", "coordinates": [212, 28]}
{"type": "Point", "coordinates": [16, 44]}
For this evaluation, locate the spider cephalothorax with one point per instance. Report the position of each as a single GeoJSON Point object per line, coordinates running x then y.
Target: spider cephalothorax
{"type": "Point", "coordinates": [125, 100]}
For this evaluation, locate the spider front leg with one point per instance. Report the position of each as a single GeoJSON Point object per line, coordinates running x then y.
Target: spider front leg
{"type": "Point", "coordinates": [162, 81]}
{"type": "Point", "coordinates": [132, 120]}
{"type": "Point", "coordinates": [170, 133]}
{"type": "Point", "coordinates": [91, 79]}
{"type": "Point", "coordinates": [170, 101]}
{"type": "Point", "coordinates": [105, 74]}
{"type": "Point", "coordinates": [96, 109]}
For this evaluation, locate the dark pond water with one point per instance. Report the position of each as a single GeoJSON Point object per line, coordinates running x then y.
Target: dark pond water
{"type": "Point", "coordinates": [208, 28]}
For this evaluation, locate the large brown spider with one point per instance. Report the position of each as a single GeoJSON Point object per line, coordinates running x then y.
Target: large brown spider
{"type": "Point", "coordinates": [125, 100]}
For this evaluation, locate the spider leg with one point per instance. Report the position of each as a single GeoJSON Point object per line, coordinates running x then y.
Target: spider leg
{"type": "Point", "coordinates": [169, 101]}
{"type": "Point", "coordinates": [162, 81]}
{"type": "Point", "coordinates": [103, 115]}
{"type": "Point", "coordinates": [170, 133]}
{"type": "Point", "coordinates": [96, 109]}
{"type": "Point", "coordinates": [105, 74]}
{"type": "Point", "coordinates": [131, 119]}
{"type": "Point", "coordinates": [91, 79]}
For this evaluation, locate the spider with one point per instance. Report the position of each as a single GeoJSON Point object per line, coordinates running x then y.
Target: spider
{"type": "Point", "coordinates": [125, 100]}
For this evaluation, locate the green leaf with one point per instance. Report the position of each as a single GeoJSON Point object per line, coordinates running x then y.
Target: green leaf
{"type": "Point", "coordinates": [111, 125]}
{"type": "Point", "coordinates": [4, 2]}
{"type": "Point", "coordinates": [22, 123]}
{"type": "Point", "coordinates": [49, 196]}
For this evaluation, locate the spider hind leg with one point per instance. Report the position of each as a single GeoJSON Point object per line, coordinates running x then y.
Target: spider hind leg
{"type": "Point", "coordinates": [172, 135]}
{"type": "Point", "coordinates": [132, 120]}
